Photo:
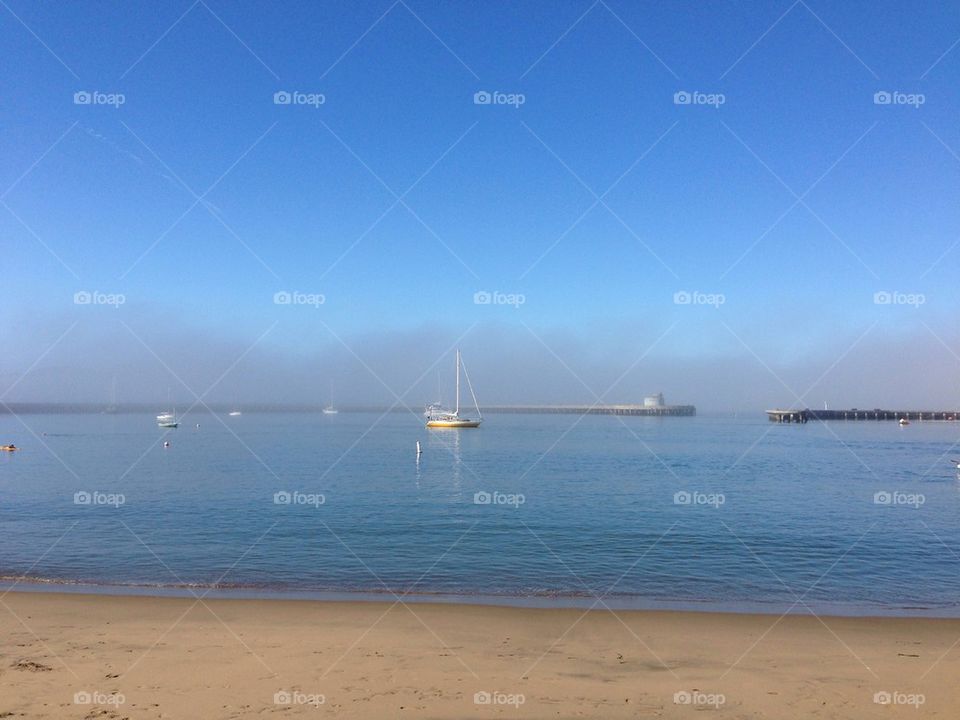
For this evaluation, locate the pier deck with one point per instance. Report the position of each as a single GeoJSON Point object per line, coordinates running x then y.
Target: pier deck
{"type": "Point", "coordinates": [802, 416]}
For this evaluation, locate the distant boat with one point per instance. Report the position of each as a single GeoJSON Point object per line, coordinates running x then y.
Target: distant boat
{"type": "Point", "coordinates": [331, 408]}
{"type": "Point", "coordinates": [235, 413]}
{"type": "Point", "coordinates": [440, 418]}
{"type": "Point", "coordinates": [168, 419]}
{"type": "Point", "coordinates": [9, 448]}
{"type": "Point", "coordinates": [904, 421]}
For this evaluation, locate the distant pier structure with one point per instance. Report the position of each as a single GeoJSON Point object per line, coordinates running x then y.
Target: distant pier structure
{"type": "Point", "coordinates": [802, 416]}
{"type": "Point", "coordinates": [652, 406]}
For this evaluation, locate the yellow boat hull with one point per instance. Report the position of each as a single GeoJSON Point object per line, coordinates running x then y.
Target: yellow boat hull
{"type": "Point", "coordinates": [453, 423]}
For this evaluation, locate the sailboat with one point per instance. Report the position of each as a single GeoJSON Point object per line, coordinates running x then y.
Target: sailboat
{"type": "Point", "coordinates": [330, 409]}
{"type": "Point", "coordinates": [168, 419]}
{"type": "Point", "coordinates": [439, 418]}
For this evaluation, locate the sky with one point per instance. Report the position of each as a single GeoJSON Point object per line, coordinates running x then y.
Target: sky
{"type": "Point", "coordinates": [742, 205]}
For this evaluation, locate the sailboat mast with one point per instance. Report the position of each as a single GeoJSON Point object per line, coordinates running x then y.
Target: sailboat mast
{"type": "Point", "coordinates": [457, 411]}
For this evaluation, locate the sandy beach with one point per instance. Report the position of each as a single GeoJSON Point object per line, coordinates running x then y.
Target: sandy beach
{"type": "Point", "coordinates": [86, 656]}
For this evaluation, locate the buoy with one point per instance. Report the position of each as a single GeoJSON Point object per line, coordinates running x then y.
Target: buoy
{"type": "Point", "coordinates": [166, 443]}
{"type": "Point", "coordinates": [198, 426]}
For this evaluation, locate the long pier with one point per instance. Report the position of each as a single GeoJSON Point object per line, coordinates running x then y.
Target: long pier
{"type": "Point", "coordinates": [806, 415]}
{"type": "Point", "coordinates": [641, 410]}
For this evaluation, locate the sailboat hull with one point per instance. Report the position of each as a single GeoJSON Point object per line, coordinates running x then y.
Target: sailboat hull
{"type": "Point", "coordinates": [453, 423]}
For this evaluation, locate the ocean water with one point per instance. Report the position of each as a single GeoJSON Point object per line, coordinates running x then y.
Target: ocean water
{"type": "Point", "coordinates": [725, 513]}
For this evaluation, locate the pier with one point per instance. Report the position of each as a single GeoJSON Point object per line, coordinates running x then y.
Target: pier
{"type": "Point", "coordinates": [802, 416]}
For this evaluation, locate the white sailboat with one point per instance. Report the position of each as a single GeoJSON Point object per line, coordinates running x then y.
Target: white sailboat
{"type": "Point", "coordinates": [168, 419]}
{"type": "Point", "coordinates": [439, 418]}
{"type": "Point", "coordinates": [330, 409]}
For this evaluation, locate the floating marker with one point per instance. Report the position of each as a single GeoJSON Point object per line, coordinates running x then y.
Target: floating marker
{"type": "Point", "coordinates": [166, 443]}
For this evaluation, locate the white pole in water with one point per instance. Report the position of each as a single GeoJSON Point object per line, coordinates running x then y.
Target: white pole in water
{"type": "Point", "coordinates": [419, 451]}
{"type": "Point", "coordinates": [457, 410]}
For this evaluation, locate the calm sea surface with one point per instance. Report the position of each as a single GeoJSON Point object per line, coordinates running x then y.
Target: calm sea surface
{"type": "Point", "coordinates": [639, 512]}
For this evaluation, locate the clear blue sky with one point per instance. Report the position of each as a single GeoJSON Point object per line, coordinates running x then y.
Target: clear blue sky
{"type": "Point", "coordinates": [301, 196]}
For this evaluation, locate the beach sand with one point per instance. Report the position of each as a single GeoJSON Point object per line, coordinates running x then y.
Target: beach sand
{"type": "Point", "coordinates": [177, 658]}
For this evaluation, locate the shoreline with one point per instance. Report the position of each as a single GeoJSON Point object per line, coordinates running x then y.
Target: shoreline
{"type": "Point", "coordinates": [545, 601]}
{"type": "Point", "coordinates": [73, 655]}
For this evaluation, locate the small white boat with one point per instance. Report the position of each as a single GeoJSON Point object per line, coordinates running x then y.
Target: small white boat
{"type": "Point", "coordinates": [330, 410]}
{"type": "Point", "coordinates": [439, 418]}
{"type": "Point", "coordinates": [235, 413]}
{"type": "Point", "coordinates": [168, 419]}
{"type": "Point", "coordinates": [903, 422]}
